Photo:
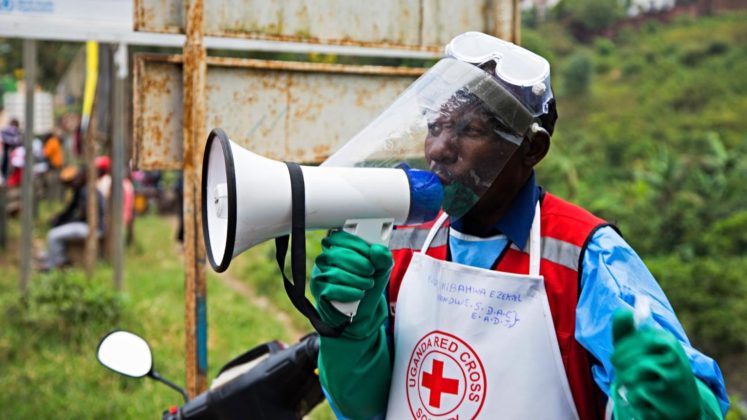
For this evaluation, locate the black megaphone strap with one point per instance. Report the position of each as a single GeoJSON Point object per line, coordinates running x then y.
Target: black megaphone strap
{"type": "Point", "coordinates": [297, 290]}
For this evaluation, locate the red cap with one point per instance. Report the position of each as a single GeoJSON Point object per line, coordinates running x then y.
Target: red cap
{"type": "Point", "coordinates": [103, 163]}
{"type": "Point", "coordinates": [173, 409]}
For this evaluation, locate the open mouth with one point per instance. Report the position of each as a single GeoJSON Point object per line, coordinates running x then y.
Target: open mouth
{"type": "Point", "coordinates": [442, 173]}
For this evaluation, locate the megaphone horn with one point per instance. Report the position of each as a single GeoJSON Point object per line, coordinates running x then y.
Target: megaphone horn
{"type": "Point", "coordinates": [246, 198]}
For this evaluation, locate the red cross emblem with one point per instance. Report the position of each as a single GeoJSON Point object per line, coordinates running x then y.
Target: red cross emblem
{"type": "Point", "coordinates": [444, 378]}
{"type": "Point", "coordinates": [438, 384]}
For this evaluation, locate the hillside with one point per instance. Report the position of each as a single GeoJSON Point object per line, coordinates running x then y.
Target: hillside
{"type": "Point", "coordinates": [652, 136]}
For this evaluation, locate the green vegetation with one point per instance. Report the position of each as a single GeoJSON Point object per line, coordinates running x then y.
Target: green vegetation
{"type": "Point", "coordinates": [48, 344]}
{"type": "Point", "coordinates": [657, 145]}
{"type": "Point", "coordinates": [590, 15]}
{"type": "Point", "coordinates": [53, 59]}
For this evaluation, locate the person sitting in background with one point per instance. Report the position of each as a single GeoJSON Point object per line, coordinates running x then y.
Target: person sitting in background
{"type": "Point", "coordinates": [72, 222]}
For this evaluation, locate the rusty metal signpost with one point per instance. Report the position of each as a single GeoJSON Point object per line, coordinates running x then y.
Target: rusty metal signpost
{"type": "Point", "coordinates": [283, 110]}
{"type": "Point", "coordinates": [194, 76]}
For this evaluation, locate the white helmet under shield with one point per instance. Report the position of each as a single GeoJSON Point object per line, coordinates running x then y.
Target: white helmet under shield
{"type": "Point", "coordinates": [484, 89]}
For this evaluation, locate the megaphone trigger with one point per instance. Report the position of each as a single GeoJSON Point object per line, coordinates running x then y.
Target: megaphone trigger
{"type": "Point", "coordinates": [348, 309]}
{"type": "Point", "coordinates": [373, 231]}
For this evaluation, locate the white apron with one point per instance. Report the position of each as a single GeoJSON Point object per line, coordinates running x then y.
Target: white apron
{"type": "Point", "coordinates": [474, 343]}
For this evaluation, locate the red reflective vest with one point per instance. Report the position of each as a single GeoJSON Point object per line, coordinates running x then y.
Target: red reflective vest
{"type": "Point", "coordinates": [565, 230]}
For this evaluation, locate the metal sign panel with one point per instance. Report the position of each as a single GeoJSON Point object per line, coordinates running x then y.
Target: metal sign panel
{"type": "Point", "coordinates": [15, 107]}
{"type": "Point", "coordinates": [66, 18]}
{"type": "Point", "coordinates": [113, 14]}
{"type": "Point", "coordinates": [282, 110]}
{"type": "Point", "coordinates": [415, 24]}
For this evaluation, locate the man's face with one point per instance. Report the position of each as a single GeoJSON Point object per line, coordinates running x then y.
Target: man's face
{"type": "Point", "coordinates": [463, 146]}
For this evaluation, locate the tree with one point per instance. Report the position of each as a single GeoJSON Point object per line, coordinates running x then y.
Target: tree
{"type": "Point", "coordinates": [577, 75]}
{"type": "Point", "coordinates": [588, 17]}
{"type": "Point", "coordinates": [52, 58]}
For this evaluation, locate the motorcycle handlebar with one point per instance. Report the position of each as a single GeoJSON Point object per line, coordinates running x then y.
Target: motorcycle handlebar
{"type": "Point", "coordinates": [282, 386]}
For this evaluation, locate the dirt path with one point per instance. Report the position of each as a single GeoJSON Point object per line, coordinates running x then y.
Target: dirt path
{"type": "Point", "coordinates": [261, 302]}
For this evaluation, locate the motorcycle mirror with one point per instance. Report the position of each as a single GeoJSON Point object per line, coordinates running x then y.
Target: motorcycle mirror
{"type": "Point", "coordinates": [125, 353]}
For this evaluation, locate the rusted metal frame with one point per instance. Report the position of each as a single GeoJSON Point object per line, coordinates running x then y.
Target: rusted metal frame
{"type": "Point", "coordinates": [318, 41]}
{"type": "Point", "coordinates": [326, 68]}
{"type": "Point", "coordinates": [138, 96]}
{"type": "Point", "coordinates": [143, 58]}
{"type": "Point", "coordinates": [240, 44]}
{"type": "Point", "coordinates": [194, 76]}
{"type": "Point", "coordinates": [149, 68]}
{"type": "Point", "coordinates": [139, 18]}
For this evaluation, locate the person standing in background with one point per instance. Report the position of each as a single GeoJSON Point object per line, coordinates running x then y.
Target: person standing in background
{"type": "Point", "coordinates": [54, 155]}
{"type": "Point", "coordinates": [53, 152]}
{"type": "Point", "coordinates": [104, 178]}
{"type": "Point", "coordinates": [12, 138]}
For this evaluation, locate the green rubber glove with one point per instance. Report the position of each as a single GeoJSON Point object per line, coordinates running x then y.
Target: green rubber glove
{"type": "Point", "coordinates": [654, 379]}
{"type": "Point", "coordinates": [348, 270]}
{"type": "Point", "coordinates": [355, 369]}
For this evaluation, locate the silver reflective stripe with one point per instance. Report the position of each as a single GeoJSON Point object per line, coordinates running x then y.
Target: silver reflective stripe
{"type": "Point", "coordinates": [557, 251]}
{"type": "Point", "coordinates": [414, 238]}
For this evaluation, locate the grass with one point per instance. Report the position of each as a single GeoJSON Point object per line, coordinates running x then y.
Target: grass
{"type": "Point", "coordinates": [48, 343]}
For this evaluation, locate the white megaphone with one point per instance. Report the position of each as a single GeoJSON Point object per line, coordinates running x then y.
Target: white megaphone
{"type": "Point", "coordinates": [246, 199]}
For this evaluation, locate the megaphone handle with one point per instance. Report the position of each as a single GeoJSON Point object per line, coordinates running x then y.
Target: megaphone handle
{"type": "Point", "coordinates": [347, 308]}
{"type": "Point", "coordinates": [373, 231]}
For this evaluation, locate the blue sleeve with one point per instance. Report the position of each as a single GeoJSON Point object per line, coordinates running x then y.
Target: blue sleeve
{"type": "Point", "coordinates": [340, 416]}
{"type": "Point", "coordinates": [612, 276]}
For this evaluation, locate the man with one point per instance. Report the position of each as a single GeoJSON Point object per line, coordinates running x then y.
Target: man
{"type": "Point", "coordinates": [519, 305]}
{"type": "Point", "coordinates": [71, 223]}
{"type": "Point", "coordinates": [12, 138]}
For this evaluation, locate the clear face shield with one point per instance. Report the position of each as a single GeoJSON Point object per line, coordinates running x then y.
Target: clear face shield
{"type": "Point", "coordinates": [462, 120]}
